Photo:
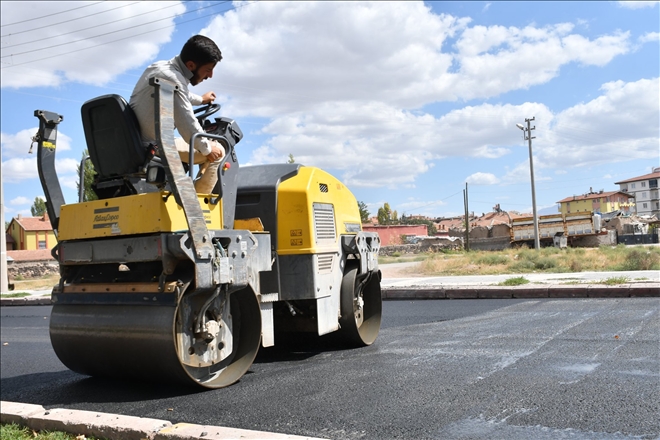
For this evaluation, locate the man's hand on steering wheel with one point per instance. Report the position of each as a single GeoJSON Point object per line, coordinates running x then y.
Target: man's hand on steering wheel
{"type": "Point", "coordinates": [203, 112]}
{"type": "Point", "coordinates": [208, 97]}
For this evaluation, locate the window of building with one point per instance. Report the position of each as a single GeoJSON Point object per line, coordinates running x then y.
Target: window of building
{"type": "Point", "coordinates": [644, 205]}
{"type": "Point", "coordinates": [643, 194]}
{"type": "Point", "coordinates": [653, 183]}
{"type": "Point", "coordinates": [632, 185]}
{"type": "Point", "coordinates": [643, 184]}
{"type": "Point", "coordinates": [42, 244]}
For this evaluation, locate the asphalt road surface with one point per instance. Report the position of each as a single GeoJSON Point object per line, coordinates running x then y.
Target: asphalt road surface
{"type": "Point", "coordinates": [449, 369]}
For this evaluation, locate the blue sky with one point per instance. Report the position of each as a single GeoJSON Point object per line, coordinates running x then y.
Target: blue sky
{"type": "Point", "coordinates": [404, 102]}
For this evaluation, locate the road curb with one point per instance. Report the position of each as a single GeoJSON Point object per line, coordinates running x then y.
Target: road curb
{"type": "Point", "coordinates": [118, 427]}
{"type": "Point", "coordinates": [27, 301]}
{"type": "Point", "coordinates": [646, 290]}
{"type": "Point", "coordinates": [540, 291]}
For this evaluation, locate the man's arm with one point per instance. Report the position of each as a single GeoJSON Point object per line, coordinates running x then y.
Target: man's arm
{"type": "Point", "coordinates": [186, 122]}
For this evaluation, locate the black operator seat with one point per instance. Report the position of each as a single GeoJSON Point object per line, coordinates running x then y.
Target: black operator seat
{"type": "Point", "coordinates": [115, 147]}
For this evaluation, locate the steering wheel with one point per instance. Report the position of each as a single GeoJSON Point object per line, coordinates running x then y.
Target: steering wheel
{"type": "Point", "coordinates": [203, 112]}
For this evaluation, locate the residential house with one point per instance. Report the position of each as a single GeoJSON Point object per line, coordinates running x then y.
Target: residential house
{"type": "Point", "coordinates": [394, 234]}
{"type": "Point", "coordinates": [31, 233]}
{"type": "Point", "coordinates": [645, 191]}
{"type": "Point", "coordinates": [599, 202]}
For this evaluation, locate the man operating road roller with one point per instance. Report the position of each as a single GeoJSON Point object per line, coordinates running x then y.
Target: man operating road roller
{"type": "Point", "coordinates": [193, 65]}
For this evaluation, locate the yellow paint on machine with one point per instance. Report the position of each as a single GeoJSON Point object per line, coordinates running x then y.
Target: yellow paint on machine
{"type": "Point", "coordinates": [295, 218]}
{"type": "Point", "coordinates": [139, 214]}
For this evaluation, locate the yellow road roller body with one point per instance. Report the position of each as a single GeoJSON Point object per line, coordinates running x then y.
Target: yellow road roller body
{"type": "Point", "coordinates": [163, 284]}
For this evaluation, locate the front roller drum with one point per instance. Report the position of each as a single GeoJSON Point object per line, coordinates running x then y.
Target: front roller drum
{"type": "Point", "coordinates": [141, 341]}
{"type": "Point", "coordinates": [361, 306]}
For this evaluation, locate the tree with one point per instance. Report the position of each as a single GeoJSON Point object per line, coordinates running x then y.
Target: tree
{"type": "Point", "coordinates": [38, 208]}
{"type": "Point", "coordinates": [90, 174]}
{"type": "Point", "coordinates": [386, 216]}
{"type": "Point", "coordinates": [291, 159]}
{"type": "Point", "coordinates": [431, 229]}
{"type": "Point", "coordinates": [364, 212]}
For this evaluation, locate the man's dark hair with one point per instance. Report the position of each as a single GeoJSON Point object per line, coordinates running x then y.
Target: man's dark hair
{"type": "Point", "coordinates": [200, 50]}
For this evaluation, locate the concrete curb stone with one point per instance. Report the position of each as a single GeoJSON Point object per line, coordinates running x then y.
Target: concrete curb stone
{"type": "Point", "coordinates": [645, 290]}
{"type": "Point", "coordinates": [119, 427]}
{"type": "Point", "coordinates": [603, 291]}
{"type": "Point", "coordinates": [567, 291]}
{"type": "Point", "coordinates": [469, 292]}
{"type": "Point", "coordinates": [26, 301]}
{"type": "Point", "coordinates": [535, 291]}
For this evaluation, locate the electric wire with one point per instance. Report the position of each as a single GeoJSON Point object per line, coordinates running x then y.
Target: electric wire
{"type": "Point", "coordinates": [113, 32]}
{"type": "Point", "coordinates": [87, 28]}
{"type": "Point", "coordinates": [50, 15]}
{"type": "Point", "coordinates": [124, 38]}
{"type": "Point", "coordinates": [71, 19]}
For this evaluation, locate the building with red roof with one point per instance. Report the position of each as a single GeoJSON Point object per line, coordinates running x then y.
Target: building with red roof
{"type": "Point", "coordinates": [600, 201]}
{"type": "Point", "coordinates": [31, 233]}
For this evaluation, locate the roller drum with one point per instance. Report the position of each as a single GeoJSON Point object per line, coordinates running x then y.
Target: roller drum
{"type": "Point", "coordinates": [140, 342]}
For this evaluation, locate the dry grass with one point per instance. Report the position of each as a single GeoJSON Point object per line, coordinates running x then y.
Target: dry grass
{"type": "Point", "coordinates": [605, 258]}
{"type": "Point", "coordinates": [44, 282]}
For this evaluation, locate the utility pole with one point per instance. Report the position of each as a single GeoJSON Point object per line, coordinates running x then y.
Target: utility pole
{"type": "Point", "coordinates": [527, 135]}
{"type": "Point", "coordinates": [467, 219]}
{"type": "Point", "coordinates": [4, 283]}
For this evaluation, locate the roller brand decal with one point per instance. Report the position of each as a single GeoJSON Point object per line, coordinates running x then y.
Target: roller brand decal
{"type": "Point", "coordinates": [106, 218]}
{"type": "Point", "coordinates": [296, 233]}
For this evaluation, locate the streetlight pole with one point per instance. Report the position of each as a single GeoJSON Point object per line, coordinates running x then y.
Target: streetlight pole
{"type": "Point", "coordinates": [527, 135]}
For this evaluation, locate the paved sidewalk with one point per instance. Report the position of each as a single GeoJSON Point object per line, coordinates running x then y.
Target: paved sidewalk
{"type": "Point", "coordinates": [401, 282]}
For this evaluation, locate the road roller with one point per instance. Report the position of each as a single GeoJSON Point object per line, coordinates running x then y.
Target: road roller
{"type": "Point", "coordinates": [160, 283]}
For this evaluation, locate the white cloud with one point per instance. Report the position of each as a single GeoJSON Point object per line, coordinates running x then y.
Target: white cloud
{"type": "Point", "coordinates": [20, 201]}
{"type": "Point", "coordinates": [18, 169]}
{"type": "Point", "coordinates": [342, 90]}
{"type": "Point", "coordinates": [637, 4]}
{"type": "Point", "coordinates": [20, 165]}
{"type": "Point", "coordinates": [18, 144]}
{"type": "Point", "coordinates": [621, 124]}
{"type": "Point", "coordinates": [80, 55]}
{"type": "Point", "coordinates": [649, 36]}
{"type": "Point", "coordinates": [377, 145]}
{"type": "Point", "coordinates": [292, 56]}
{"type": "Point", "coordinates": [482, 179]}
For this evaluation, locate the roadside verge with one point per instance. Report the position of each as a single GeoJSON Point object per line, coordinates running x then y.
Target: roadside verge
{"type": "Point", "coordinates": [118, 427]}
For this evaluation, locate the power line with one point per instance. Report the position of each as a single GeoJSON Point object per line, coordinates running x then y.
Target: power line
{"type": "Point", "coordinates": [70, 20]}
{"type": "Point", "coordinates": [50, 15]}
{"type": "Point", "coordinates": [124, 38]}
{"type": "Point", "coordinates": [111, 32]}
{"type": "Point", "coordinates": [91, 27]}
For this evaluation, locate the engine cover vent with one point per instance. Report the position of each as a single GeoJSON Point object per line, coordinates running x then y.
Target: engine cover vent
{"type": "Point", "coordinates": [325, 263]}
{"type": "Point", "coordinates": [324, 223]}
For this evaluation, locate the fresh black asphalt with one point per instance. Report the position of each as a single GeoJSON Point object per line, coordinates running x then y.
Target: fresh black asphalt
{"type": "Point", "coordinates": [517, 369]}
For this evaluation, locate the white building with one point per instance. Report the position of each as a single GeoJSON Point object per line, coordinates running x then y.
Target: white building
{"type": "Point", "coordinates": [645, 191]}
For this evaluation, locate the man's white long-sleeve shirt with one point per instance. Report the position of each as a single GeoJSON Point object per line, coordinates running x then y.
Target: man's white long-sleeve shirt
{"type": "Point", "coordinates": [142, 102]}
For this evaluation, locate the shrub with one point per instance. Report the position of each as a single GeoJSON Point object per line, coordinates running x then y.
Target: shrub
{"type": "Point", "coordinates": [615, 280]}
{"type": "Point", "coordinates": [638, 259]}
{"type": "Point", "coordinates": [492, 259]}
{"type": "Point", "coordinates": [576, 265]}
{"type": "Point", "coordinates": [515, 281]}
{"type": "Point", "coordinates": [522, 266]}
{"type": "Point", "coordinates": [544, 263]}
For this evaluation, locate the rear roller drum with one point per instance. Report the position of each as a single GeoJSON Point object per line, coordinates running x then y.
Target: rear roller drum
{"type": "Point", "coordinates": [361, 306]}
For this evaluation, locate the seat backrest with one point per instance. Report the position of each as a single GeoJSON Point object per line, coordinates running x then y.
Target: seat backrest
{"type": "Point", "coordinates": [113, 136]}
